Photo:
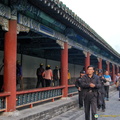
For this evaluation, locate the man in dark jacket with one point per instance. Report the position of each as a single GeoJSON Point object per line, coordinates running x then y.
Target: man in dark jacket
{"type": "Point", "coordinates": [78, 85]}
{"type": "Point", "coordinates": [39, 73]}
{"type": "Point", "coordinates": [19, 75]}
{"type": "Point", "coordinates": [101, 91]}
{"type": "Point", "coordinates": [90, 84]}
{"type": "Point", "coordinates": [56, 76]}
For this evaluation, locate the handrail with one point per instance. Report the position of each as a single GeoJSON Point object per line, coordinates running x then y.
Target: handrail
{"type": "Point", "coordinates": [5, 94]}
{"type": "Point", "coordinates": [71, 85]}
{"type": "Point", "coordinates": [39, 90]}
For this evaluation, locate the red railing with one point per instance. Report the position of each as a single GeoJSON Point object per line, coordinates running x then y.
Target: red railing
{"type": "Point", "coordinates": [72, 90]}
{"type": "Point", "coordinates": [37, 94]}
{"type": "Point", "coordinates": [3, 100]}
{"type": "Point", "coordinates": [30, 97]}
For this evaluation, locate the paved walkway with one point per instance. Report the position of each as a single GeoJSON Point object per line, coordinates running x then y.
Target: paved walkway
{"type": "Point", "coordinates": [112, 111]}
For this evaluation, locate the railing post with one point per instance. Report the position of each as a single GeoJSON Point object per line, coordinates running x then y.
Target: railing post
{"type": "Point", "coordinates": [53, 100]}
{"type": "Point", "coordinates": [31, 105]}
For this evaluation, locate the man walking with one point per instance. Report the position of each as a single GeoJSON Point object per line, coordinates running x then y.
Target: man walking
{"type": "Point", "coordinates": [90, 84]}
{"type": "Point", "coordinates": [118, 86]}
{"type": "Point", "coordinates": [101, 96]}
{"type": "Point", "coordinates": [78, 85]}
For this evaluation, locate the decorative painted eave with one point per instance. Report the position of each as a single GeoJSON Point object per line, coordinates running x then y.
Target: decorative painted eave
{"type": "Point", "coordinates": [68, 14]}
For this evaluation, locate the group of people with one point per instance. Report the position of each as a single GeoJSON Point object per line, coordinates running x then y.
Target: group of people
{"type": "Point", "coordinates": [93, 91]}
{"type": "Point", "coordinates": [47, 77]}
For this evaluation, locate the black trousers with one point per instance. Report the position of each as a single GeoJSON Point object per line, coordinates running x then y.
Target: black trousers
{"type": "Point", "coordinates": [40, 80]}
{"type": "Point", "coordinates": [80, 97]}
{"type": "Point", "coordinates": [48, 82]}
{"type": "Point", "coordinates": [106, 91]}
{"type": "Point", "coordinates": [102, 101]}
{"type": "Point", "coordinates": [90, 101]}
{"type": "Point", "coordinates": [56, 82]}
{"type": "Point", "coordinates": [20, 82]}
{"type": "Point", "coordinates": [1, 82]}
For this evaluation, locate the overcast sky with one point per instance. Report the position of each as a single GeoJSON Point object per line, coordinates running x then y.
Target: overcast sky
{"type": "Point", "coordinates": [101, 15]}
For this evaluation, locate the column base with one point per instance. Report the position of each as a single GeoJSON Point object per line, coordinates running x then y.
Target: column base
{"type": "Point", "coordinates": [8, 114]}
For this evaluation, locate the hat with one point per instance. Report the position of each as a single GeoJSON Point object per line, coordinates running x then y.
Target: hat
{"type": "Point", "coordinates": [18, 61]}
{"type": "Point", "coordinates": [100, 70]}
{"type": "Point", "coordinates": [82, 72]}
{"type": "Point", "coordinates": [48, 65]}
{"type": "Point", "coordinates": [41, 64]}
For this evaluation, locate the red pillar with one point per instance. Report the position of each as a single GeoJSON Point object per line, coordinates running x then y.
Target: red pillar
{"type": "Point", "coordinates": [87, 60]}
{"type": "Point", "coordinates": [10, 50]}
{"type": "Point", "coordinates": [113, 72]}
{"type": "Point", "coordinates": [64, 69]}
{"type": "Point", "coordinates": [108, 66]}
{"type": "Point", "coordinates": [117, 69]}
{"type": "Point", "coordinates": [99, 63]}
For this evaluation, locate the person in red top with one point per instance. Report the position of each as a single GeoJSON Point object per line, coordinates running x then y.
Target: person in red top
{"type": "Point", "coordinates": [48, 76]}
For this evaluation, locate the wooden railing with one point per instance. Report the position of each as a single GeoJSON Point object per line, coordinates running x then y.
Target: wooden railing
{"type": "Point", "coordinates": [72, 90]}
{"type": "Point", "coordinates": [30, 97]}
{"type": "Point", "coordinates": [3, 100]}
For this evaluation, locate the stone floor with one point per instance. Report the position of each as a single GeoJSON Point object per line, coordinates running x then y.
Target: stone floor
{"type": "Point", "coordinates": [112, 111]}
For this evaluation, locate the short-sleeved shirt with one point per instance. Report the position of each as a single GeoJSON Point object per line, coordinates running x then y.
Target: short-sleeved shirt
{"type": "Point", "coordinates": [107, 77]}
{"type": "Point", "coordinates": [47, 74]}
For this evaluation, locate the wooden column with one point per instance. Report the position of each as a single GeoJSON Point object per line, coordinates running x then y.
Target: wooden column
{"type": "Point", "coordinates": [113, 72]}
{"type": "Point", "coordinates": [108, 66]}
{"type": "Point", "coordinates": [87, 59]}
{"type": "Point", "coordinates": [64, 69]}
{"type": "Point", "coordinates": [10, 51]}
{"type": "Point", "coordinates": [99, 63]}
